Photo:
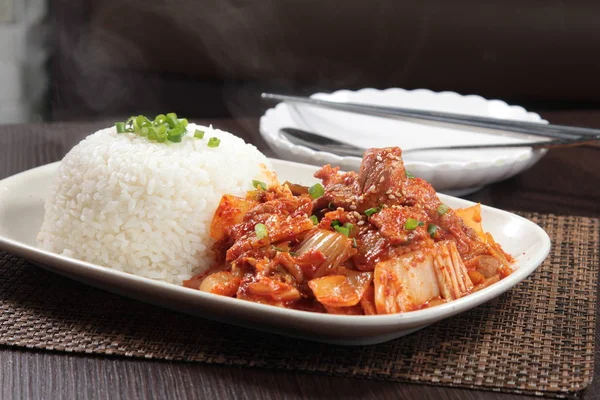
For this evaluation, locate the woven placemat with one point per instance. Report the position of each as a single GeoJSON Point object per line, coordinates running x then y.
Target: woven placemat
{"type": "Point", "coordinates": [536, 339]}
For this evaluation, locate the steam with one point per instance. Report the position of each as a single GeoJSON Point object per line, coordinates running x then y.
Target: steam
{"type": "Point", "coordinates": [229, 51]}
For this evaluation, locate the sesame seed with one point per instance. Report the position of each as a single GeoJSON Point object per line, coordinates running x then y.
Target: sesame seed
{"type": "Point", "coordinates": [389, 191]}
{"type": "Point", "coordinates": [391, 197]}
{"type": "Point", "coordinates": [360, 222]}
{"type": "Point", "coordinates": [352, 206]}
{"type": "Point", "coordinates": [381, 179]}
{"type": "Point", "coordinates": [379, 158]}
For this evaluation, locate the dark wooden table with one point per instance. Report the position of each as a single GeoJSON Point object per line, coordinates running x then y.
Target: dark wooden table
{"type": "Point", "coordinates": [566, 181]}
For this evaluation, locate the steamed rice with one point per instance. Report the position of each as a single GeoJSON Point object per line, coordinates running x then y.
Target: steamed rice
{"type": "Point", "coordinates": [143, 207]}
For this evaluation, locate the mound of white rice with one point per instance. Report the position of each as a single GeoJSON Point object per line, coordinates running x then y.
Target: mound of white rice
{"type": "Point", "coordinates": [143, 207]}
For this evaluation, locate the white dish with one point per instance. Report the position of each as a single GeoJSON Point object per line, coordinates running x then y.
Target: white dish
{"type": "Point", "coordinates": [457, 171]}
{"type": "Point", "coordinates": [21, 214]}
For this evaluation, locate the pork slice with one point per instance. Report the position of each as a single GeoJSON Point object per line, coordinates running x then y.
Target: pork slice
{"type": "Point", "coordinates": [341, 189]}
{"type": "Point", "coordinates": [381, 178]}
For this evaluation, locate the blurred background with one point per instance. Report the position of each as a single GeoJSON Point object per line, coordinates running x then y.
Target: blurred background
{"type": "Point", "coordinates": [68, 60]}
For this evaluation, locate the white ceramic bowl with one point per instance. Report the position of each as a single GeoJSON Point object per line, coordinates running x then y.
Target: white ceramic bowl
{"type": "Point", "coordinates": [455, 172]}
{"type": "Point", "coordinates": [22, 212]}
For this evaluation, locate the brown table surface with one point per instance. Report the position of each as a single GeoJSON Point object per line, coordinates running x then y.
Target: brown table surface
{"type": "Point", "coordinates": [565, 181]}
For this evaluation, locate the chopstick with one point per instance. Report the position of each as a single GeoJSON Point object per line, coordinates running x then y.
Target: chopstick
{"type": "Point", "coordinates": [318, 142]}
{"type": "Point", "coordinates": [531, 128]}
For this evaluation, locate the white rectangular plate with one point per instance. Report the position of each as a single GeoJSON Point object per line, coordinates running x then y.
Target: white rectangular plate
{"type": "Point", "coordinates": [22, 210]}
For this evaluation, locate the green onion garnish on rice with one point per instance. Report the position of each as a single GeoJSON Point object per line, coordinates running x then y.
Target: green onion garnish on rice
{"type": "Point", "coordinates": [120, 127]}
{"type": "Point", "coordinates": [199, 134]}
{"type": "Point", "coordinates": [161, 129]}
{"type": "Point", "coordinates": [172, 120]}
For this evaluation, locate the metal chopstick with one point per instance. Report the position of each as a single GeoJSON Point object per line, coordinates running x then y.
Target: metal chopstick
{"type": "Point", "coordinates": [531, 128]}
{"type": "Point", "coordinates": [318, 142]}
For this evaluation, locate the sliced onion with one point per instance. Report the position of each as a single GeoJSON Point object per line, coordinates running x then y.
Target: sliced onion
{"type": "Point", "coordinates": [274, 289]}
{"type": "Point", "coordinates": [224, 283]}
{"type": "Point", "coordinates": [345, 289]}
{"type": "Point", "coordinates": [336, 248]}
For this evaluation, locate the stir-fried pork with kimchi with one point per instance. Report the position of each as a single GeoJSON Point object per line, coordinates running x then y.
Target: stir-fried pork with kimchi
{"type": "Point", "coordinates": [374, 242]}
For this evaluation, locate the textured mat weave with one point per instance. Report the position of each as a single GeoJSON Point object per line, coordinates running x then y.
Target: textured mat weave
{"type": "Point", "coordinates": [538, 338]}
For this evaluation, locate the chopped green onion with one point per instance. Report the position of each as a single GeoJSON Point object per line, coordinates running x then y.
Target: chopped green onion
{"type": "Point", "coordinates": [174, 138]}
{"type": "Point", "coordinates": [331, 206]}
{"type": "Point", "coordinates": [135, 126]}
{"type": "Point", "coordinates": [443, 209]}
{"type": "Point", "coordinates": [372, 211]}
{"type": "Point", "coordinates": [411, 224]}
{"type": "Point", "coordinates": [342, 229]}
{"type": "Point", "coordinates": [180, 130]}
{"type": "Point", "coordinates": [316, 191]}
{"type": "Point", "coordinates": [199, 134]}
{"type": "Point", "coordinates": [120, 127]}
{"type": "Point", "coordinates": [432, 229]}
{"type": "Point", "coordinates": [152, 134]}
{"type": "Point", "coordinates": [409, 175]}
{"type": "Point", "coordinates": [162, 128]}
{"type": "Point", "coordinates": [142, 121]}
{"type": "Point", "coordinates": [260, 230]}
{"type": "Point", "coordinates": [175, 134]}
{"type": "Point", "coordinates": [129, 124]}
{"type": "Point", "coordinates": [161, 133]}
{"type": "Point", "coordinates": [259, 184]}
{"type": "Point", "coordinates": [213, 142]}
{"type": "Point", "coordinates": [172, 121]}
{"type": "Point", "coordinates": [314, 219]}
